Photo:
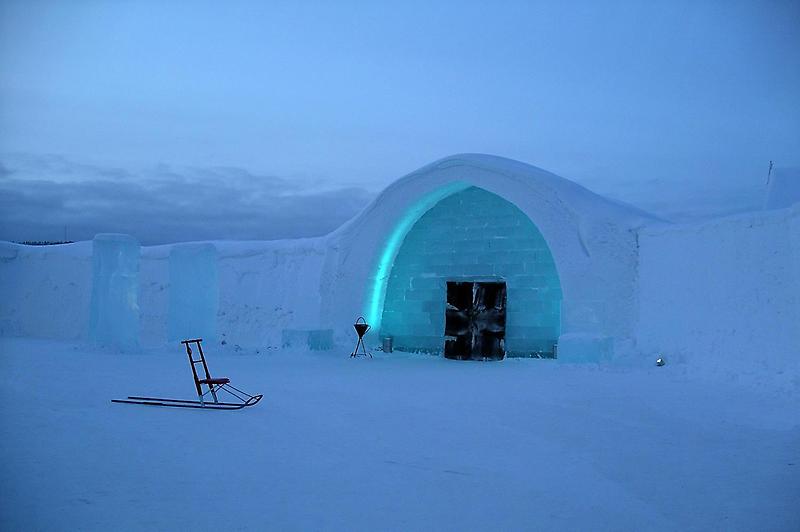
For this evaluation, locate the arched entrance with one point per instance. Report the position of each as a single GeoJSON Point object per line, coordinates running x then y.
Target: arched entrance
{"type": "Point", "coordinates": [473, 240]}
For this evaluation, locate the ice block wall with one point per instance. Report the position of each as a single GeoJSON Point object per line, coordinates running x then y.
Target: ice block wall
{"type": "Point", "coordinates": [473, 235]}
{"type": "Point", "coordinates": [193, 292]}
{"type": "Point", "coordinates": [114, 307]}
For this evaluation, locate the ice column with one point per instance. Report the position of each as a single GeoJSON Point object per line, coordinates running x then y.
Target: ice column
{"type": "Point", "coordinates": [114, 310]}
{"type": "Point", "coordinates": [193, 292]}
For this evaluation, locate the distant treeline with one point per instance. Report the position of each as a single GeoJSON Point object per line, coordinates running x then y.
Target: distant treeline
{"type": "Point", "coordinates": [44, 242]}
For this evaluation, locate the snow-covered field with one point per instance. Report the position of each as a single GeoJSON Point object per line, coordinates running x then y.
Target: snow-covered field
{"type": "Point", "coordinates": [394, 443]}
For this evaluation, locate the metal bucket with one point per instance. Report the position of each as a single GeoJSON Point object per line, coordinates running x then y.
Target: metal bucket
{"type": "Point", "coordinates": [387, 344]}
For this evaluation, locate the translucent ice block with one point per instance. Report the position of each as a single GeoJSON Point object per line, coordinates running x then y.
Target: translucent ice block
{"type": "Point", "coordinates": [193, 292]}
{"type": "Point", "coordinates": [114, 310]}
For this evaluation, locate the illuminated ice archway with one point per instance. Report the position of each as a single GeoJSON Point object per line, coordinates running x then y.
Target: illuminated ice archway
{"type": "Point", "coordinates": [380, 278]}
{"type": "Point", "coordinates": [460, 232]}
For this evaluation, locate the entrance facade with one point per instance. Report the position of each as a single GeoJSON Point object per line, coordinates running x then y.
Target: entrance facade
{"type": "Point", "coordinates": [473, 244]}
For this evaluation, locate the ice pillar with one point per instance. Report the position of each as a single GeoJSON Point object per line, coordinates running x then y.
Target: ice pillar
{"type": "Point", "coordinates": [114, 310]}
{"type": "Point", "coordinates": [193, 292]}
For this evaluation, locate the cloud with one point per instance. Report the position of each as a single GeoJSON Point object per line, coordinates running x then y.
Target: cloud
{"type": "Point", "coordinates": [41, 196]}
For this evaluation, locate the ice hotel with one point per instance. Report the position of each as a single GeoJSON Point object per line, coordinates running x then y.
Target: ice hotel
{"type": "Point", "coordinates": [472, 256]}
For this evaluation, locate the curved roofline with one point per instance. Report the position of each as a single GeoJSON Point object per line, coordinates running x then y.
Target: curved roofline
{"type": "Point", "coordinates": [576, 197]}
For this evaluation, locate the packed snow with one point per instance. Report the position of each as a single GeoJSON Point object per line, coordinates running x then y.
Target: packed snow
{"type": "Point", "coordinates": [400, 442]}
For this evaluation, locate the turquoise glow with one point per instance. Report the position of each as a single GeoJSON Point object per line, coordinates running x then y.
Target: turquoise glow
{"type": "Point", "coordinates": [472, 235]}
{"type": "Point", "coordinates": [378, 289]}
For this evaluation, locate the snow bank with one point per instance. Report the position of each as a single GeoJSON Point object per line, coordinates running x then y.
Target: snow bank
{"type": "Point", "coordinates": [724, 294]}
{"type": "Point", "coordinates": [783, 189]}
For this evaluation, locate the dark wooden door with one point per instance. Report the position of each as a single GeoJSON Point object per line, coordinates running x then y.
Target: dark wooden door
{"type": "Point", "coordinates": [475, 320]}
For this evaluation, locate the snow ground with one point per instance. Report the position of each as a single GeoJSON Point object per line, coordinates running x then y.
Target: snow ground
{"type": "Point", "coordinates": [400, 443]}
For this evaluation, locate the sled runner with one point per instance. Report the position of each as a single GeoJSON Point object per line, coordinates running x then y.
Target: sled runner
{"type": "Point", "coordinates": [215, 385]}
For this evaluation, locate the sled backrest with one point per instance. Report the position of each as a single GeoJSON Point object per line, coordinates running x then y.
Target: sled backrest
{"type": "Point", "coordinates": [193, 362]}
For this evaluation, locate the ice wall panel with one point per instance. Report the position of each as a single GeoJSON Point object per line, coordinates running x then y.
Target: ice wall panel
{"type": "Point", "coordinates": [723, 293]}
{"type": "Point", "coordinates": [314, 339]}
{"type": "Point", "coordinates": [193, 292]}
{"type": "Point", "coordinates": [472, 235]}
{"type": "Point", "coordinates": [114, 307]}
{"type": "Point", "coordinates": [34, 280]}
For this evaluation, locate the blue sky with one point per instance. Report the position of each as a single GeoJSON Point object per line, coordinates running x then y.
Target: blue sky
{"type": "Point", "coordinates": [674, 106]}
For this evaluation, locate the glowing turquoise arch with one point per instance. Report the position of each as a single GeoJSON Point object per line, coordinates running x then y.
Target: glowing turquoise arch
{"type": "Point", "coordinates": [377, 290]}
{"type": "Point", "coordinates": [462, 232]}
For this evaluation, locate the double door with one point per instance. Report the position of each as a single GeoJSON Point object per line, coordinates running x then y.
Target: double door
{"type": "Point", "coordinates": [475, 320]}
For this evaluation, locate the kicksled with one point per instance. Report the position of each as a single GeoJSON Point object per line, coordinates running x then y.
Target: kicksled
{"type": "Point", "coordinates": [208, 400]}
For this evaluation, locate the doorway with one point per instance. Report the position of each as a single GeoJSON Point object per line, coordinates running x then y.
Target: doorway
{"type": "Point", "coordinates": [475, 320]}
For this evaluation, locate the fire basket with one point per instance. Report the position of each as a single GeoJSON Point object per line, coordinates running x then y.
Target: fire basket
{"type": "Point", "coordinates": [361, 328]}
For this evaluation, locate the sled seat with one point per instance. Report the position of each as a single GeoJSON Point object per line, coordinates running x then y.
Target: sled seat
{"type": "Point", "coordinates": [219, 380]}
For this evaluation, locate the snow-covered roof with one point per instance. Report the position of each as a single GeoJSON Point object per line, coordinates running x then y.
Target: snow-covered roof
{"type": "Point", "coordinates": [513, 180]}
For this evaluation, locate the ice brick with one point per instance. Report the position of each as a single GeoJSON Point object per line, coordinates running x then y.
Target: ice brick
{"type": "Point", "coordinates": [114, 308]}
{"type": "Point", "coordinates": [193, 292]}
